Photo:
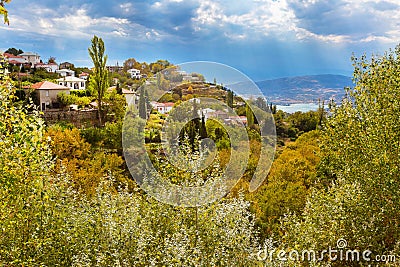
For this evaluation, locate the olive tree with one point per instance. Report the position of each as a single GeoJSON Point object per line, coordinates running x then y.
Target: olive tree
{"type": "Point", "coordinates": [360, 166]}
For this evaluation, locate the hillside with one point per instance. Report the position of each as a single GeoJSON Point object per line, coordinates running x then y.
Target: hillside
{"type": "Point", "coordinates": [303, 89]}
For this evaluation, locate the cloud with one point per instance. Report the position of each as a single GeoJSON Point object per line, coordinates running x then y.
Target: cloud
{"type": "Point", "coordinates": [251, 32]}
{"type": "Point", "coordinates": [328, 21]}
{"type": "Point", "coordinates": [77, 23]}
{"type": "Point", "coordinates": [322, 20]}
{"type": "Point", "coordinates": [127, 8]}
{"type": "Point", "coordinates": [352, 21]}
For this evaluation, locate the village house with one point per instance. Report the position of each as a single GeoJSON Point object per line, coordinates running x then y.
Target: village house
{"type": "Point", "coordinates": [236, 121]}
{"type": "Point", "coordinates": [66, 65]}
{"type": "Point", "coordinates": [15, 60]}
{"type": "Point", "coordinates": [65, 72]}
{"type": "Point", "coordinates": [46, 94]}
{"type": "Point", "coordinates": [31, 58]}
{"type": "Point", "coordinates": [131, 97]}
{"type": "Point", "coordinates": [3, 69]}
{"type": "Point", "coordinates": [163, 108]}
{"type": "Point", "coordinates": [72, 82]}
{"type": "Point", "coordinates": [115, 68]}
{"type": "Point", "coordinates": [84, 76]}
{"type": "Point", "coordinates": [219, 114]}
{"type": "Point", "coordinates": [206, 112]}
{"type": "Point", "coordinates": [135, 73]}
{"type": "Point", "coordinates": [49, 67]}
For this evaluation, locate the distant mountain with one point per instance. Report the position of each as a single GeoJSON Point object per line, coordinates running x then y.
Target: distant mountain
{"type": "Point", "coordinates": [303, 89]}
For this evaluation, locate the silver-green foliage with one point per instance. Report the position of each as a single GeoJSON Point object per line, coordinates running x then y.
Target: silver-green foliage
{"type": "Point", "coordinates": [44, 222]}
{"type": "Point", "coordinates": [361, 158]}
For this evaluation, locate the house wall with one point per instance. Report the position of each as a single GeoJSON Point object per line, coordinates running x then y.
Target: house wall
{"type": "Point", "coordinates": [47, 97]}
{"type": "Point", "coordinates": [48, 67]}
{"type": "Point", "coordinates": [130, 99]}
{"type": "Point", "coordinates": [32, 59]}
{"type": "Point", "coordinates": [80, 85]}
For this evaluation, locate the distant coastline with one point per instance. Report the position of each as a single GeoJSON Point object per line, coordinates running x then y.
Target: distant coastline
{"type": "Point", "coordinates": [292, 108]}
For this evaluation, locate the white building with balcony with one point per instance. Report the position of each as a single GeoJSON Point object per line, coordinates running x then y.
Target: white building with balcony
{"type": "Point", "coordinates": [135, 73]}
{"type": "Point", "coordinates": [31, 58]}
{"type": "Point", "coordinates": [65, 72]}
{"type": "Point", "coordinates": [73, 83]}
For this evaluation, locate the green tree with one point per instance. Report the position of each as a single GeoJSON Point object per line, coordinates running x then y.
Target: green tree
{"type": "Point", "coordinates": [99, 78]}
{"type": "Point", "coordinates": [229, 99]}
{"type": "Point", "coordinates": [261, 103]}
{"type": "Point", "coordinates": [66, 99]}
{"type": "Point", "coordinates": [115, 106]}
{"type": "Point", "coordinates": [249, 116]}
{"type": "Point", "coordinates": [14, 51]}
{"type": "Point", "coordinates": [142, 104]}
{"type": "Point", "coordinates": [25, 162]}
{"type": "Point", "coordinates": [203, 129]}
{"type": "Point", "coordinates": [359, 167]}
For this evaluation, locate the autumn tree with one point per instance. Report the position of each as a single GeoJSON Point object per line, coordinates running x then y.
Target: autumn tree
{"type": "Point", "coordinates": [52, 60]}
{"type": "Point", "coordinates": [4, 11]}
{"type": "Point", "coordinates": [99, 78]}
{"type": "Point", "coordinates": [292, 174]}
{"type": "Point", "coordinates": [129, 64]}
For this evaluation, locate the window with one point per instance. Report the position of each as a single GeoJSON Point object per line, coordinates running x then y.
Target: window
{"type": "Point", "coordinates": [47, 92]}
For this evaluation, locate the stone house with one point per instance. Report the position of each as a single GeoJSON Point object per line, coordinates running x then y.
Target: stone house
{"type": "Point", "coordinates": [46, 94]}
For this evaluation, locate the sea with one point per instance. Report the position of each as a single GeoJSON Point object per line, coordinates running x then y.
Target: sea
{"type": "Point", "coordinates": [303, 107]}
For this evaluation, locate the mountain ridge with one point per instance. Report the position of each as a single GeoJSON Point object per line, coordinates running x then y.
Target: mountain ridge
{"type": "Point", "coordinates": [303, 89]}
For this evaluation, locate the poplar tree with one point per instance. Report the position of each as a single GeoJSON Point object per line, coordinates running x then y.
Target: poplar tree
{"type": "Point", "coordinates": [99, 79]}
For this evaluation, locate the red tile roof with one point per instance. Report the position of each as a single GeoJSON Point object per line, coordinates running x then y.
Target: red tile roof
{"type": "Point", "coordinates": [14, 62]}
{"type": "Point", "coordinates": [45, 64]}
{"type": "Point", "coordinates": [8, 55]}
{"type": "Point", "coordinates": [46, 85]}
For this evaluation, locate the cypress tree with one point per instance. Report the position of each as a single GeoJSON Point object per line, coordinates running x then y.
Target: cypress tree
{"type": "Point", "coordinates": [142, 104]}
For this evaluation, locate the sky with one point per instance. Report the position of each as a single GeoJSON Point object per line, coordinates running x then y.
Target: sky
{"type": "Point", "coordinates": [263, 39]}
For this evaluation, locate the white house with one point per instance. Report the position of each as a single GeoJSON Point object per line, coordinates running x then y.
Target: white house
{"type": "Point", "coordinates": [207, 112]}
{"type": "Point", "coordinates": [72, 82]}
{"type": "Point", "coordinates": [84, 76]}
{"type": "Point", "coordinates": [49, 67]}
{"type": "Point", "coordinates": [195, 100]}
{"type": "Point", "coordinates": [65, 72]}
{"type": "Point", "coordinates": [163, 108]}
{"type": "Point", "coordinates": [3, 69]}
{"type": "Point", "coordinates": [31, 58]}
{"type": "Point", "coordinates": [135, 73]}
